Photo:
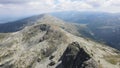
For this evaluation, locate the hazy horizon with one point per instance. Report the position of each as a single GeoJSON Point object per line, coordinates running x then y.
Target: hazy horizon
{"type": "Point", "coordinates": [21, 8]}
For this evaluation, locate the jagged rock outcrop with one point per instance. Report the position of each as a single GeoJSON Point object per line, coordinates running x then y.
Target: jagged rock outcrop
{"type": "Point", "coordinates": [76, 57]}
{"type": "Point", "coordinates": [44, 27]}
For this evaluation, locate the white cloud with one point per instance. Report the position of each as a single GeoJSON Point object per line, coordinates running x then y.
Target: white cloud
{"type": "Point", "coordinates": [95, 3]}
{"type": "Point", "coordinates": [110, 6]}
{"type": "Point", "coordinates": [72, 5]}
{"type": "Point", "coordinates": [22, 7]}
{"type": "Point", "coordinates": [1, 5]}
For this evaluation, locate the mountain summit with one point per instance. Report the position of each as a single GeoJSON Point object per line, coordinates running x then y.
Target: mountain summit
{"type": "Point", "coordinates": [51, 43]}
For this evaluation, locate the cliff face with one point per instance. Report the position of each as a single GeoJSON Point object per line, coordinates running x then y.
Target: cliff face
{"type": "Point", "coordinates": [76, 57]}
{"type": "Point", "coordinates": [52, 43]}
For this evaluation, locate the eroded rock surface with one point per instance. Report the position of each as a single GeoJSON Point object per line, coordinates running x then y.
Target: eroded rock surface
{"type": "Point", "coordinates": [47, 44]}
{"type": "Point", "coordinates": [76, 57]}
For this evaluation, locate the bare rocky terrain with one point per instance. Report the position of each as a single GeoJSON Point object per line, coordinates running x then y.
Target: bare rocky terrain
{"type": "Point", "coordinates": [52, 43]}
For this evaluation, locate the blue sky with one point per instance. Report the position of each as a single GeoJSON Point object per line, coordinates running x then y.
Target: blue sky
{"type": "Point", "coordinates": [27, 7]}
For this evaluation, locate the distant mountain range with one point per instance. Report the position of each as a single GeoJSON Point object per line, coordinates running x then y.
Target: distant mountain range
{"type": "Point", "coordinates": [99, 26]}
{"type": "Point", "coordinates": [104, 27]}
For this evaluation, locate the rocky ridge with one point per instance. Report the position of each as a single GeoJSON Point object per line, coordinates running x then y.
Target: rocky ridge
{"type": "Point", "coordinates": [51, 43]}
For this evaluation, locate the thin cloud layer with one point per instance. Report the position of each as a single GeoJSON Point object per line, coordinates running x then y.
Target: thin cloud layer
{"type": "Point", "coordinates": [15, 1]}
{"type": "Point", "coordinates": [19, 7]}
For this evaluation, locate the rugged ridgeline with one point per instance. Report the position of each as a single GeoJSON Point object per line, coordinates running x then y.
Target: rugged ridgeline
{"type": "Point", "coordinates": [52, 43]}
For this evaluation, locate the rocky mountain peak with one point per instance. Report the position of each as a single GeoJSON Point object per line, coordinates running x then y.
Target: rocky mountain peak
{"type": "Point", "coordinates": [51, 43]}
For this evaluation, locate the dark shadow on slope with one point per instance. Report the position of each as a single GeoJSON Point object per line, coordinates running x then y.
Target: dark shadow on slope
{"type": "Point", "coordinates": [76, 57]}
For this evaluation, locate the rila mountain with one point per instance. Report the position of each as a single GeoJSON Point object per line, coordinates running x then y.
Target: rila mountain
{"type": "Point", "coordinates": [100, 26]}
{"type": "Point", "coordinates": [45, 41]}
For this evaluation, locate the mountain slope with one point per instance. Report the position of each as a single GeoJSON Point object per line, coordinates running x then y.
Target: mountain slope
{"type": "Point", "coordinates": [101, 26]}
{"type": "Point", "coordinates": [50, 43]}
{"type": "Point", "coordinates": [19, 24]}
